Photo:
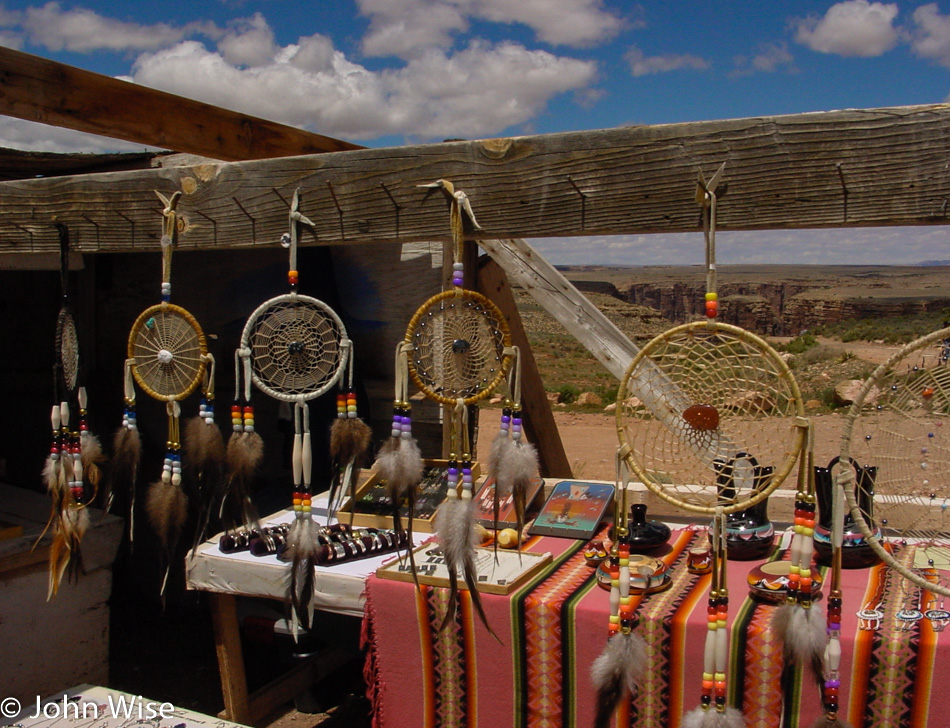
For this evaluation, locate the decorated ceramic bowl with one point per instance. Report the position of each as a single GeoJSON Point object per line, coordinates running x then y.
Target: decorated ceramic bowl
{"type": "Point", "coordinates": [647, 575]}
{"type": "Point", "coordinates": [769, 581]}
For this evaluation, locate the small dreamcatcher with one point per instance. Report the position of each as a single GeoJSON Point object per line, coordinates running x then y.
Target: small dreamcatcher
{"type": "Point", "coordinates": [168, 359]}
{"type": "Point", "coordinates": [698, 405]}
{"type": "Point", "coordinates": [72, 467]}
{"type": "Point", "coordinates": [294, 348]}
{"type": "Point", "coordinates": [457, 350]}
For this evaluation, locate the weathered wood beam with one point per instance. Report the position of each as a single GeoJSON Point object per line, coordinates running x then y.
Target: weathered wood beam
{"type": "Point", "coordinates": [37, 89]}
{"type": "Point", "coordinates": [831, 169]}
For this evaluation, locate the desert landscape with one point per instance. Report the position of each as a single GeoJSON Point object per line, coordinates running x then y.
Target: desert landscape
{"type": "Point", "coordinates": [860, 316]}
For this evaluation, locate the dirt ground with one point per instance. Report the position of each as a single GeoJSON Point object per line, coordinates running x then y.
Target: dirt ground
{"type": "Point", "coordinates": [590, 439]}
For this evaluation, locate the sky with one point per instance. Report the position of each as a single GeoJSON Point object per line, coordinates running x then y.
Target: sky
{"type": "Point", "coordinates": [392, 72]}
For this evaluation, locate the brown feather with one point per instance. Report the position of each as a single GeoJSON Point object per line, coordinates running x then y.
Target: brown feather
{"type": "Point", "coordinates": [167, 508]}
{"type": "Point", "coordinates": [244, 454]}
{"type": "Point", "coordinates": [204, 449]}
{"type": "Point", "coordinates": [349, 440]}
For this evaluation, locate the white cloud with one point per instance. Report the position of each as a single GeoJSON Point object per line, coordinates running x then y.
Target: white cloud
{"type": "Point", "coordinates": [851, 28]}
{"type": "Point", "coordinates": [931, 36]}
{"type": "Point", "coordinates": [559, 22]}
{"type": "Point", "coordinates": [249, 43]}
{"type": "Point", "coordinates": [643, 65]}
{"type": "Point", "coordinates": [31, 136]}
{"type": "Point", "coordinates": [85, 30]}
{"type": "Point", "coordinates": [768, 58]}
{"type": "Point", "coordinates": [474, 93]}
{"type": "Point", "coordinates": [403, 28]}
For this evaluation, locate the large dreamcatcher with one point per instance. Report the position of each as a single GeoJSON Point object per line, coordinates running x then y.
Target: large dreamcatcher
{"type": "Point", "coordinates": [711, 420]}
{"type": "Point", "coordinates": [167, 357]}
{"type": "Point", "coordinates": [457, 350]}
{"type": "Point", "coordinates": [72, 470]}
{"type": "Point", "coordinates": [294, 348]}
{"type": "Point", "coordinates": [899, 424]}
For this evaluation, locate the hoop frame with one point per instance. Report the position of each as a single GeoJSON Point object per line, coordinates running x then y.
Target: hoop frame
{"type": "Point", "coordinates": [781, 369]}
{"type": "Point", "coordinates": [875, 539]}
{"type": "Point", "coordinates": [502, 326]}
{"type": "Point", "coordinates": [67, 338]}
{"type": "Point", "coordinates": [140, 323]}
{"type": "Point", "coordinates": [314, 303]}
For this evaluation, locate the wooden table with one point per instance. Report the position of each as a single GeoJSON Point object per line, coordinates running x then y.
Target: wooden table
{"type": "Point", "coordinates": [225, 577]}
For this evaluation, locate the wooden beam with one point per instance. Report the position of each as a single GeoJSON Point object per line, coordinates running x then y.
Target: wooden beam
{"type": "Point", "coordinates": [540, 426]}
{"type": "Point", "coordinates": [558, 296]}
{"type": "Point", "coordinates": [832, 169]}
{"type": "Point", "coordinates": [37, 89]}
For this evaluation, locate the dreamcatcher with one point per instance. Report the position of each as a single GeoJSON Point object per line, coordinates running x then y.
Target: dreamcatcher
{"type": "Point", "coordinates": [457, 350]}
{"type": "Point", "coordinates": [168, 358]}
{"type": "Point", "coordinates": [75, 453]}
{"type": "Point", "coordinates": [697, 406]}
{"type": "Point", "coordinates": [899, 422]}
{"type": "Point", "coordinates": [294, 348]}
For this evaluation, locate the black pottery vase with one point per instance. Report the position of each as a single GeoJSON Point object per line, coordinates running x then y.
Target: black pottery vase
{"type": "Point", "coordinates": [749, 533]}
{"type": "Point", "coordinates": [645, 535]}
{"type": "Point", "coordinates": [856, 552]}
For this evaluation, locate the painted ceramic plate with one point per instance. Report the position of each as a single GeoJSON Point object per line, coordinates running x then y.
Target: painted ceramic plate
{"type": "Point", "coordinates": [647, 575]}
{"type": "Point", "coordinates": [769, 581]}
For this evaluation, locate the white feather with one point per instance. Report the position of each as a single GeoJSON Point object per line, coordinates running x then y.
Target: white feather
{"type": "Point", "coordinates": [518, 467]}
{"type": "Point", "coordinates": [501, 448]}
{"type": "Point", "coordinates": [455, 527]}
{"type": "Point", "coordinates": [625, 655]}
{"type": "Point", "coordinates": [803, 631]}
{"type": "Point", "coordinates": [400, 464]}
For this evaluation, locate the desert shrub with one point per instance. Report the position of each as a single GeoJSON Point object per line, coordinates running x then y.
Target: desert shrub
{"type": "Point", "coordinates": [806, 340]}
{"type": "Point", "coordinates": [569, 393]}
{"type": "Point", "coordinates": [891, 330]}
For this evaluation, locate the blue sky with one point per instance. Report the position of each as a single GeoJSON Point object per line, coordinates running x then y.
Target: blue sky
{"type": "Point", "coordinates": [392, 72]}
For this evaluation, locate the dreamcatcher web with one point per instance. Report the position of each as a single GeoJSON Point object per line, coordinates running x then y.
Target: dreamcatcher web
{"type": "Point", "coordinates": [900, 424]}
{"type": "Point", "coordinates": [458, 347]}
{"type": "Point", "coordinates": [699, 400]}
{"type": "Point", "coordinates": [168, 349]}
{"type": "Point", "coordinates": [295, 345]}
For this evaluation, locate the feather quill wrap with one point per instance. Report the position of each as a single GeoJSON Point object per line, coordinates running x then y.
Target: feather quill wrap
{"type": "Point", "coordinates": [618, 669]}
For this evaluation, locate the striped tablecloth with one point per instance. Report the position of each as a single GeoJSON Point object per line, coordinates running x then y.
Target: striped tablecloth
{"type": "Point", "coordinates": [550, 630]}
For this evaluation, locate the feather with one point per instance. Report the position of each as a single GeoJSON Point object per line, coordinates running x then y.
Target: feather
{"type": "Point", "coordinates": [516, 464]}
{"type": "Point", "coordinates": [500, 448]}
{"type": "Point", "coordinates": [349, 440]}
{"type": "Point", "coordinates": [803, 632]}
{"type": "Point", "coordinates": [204, 454]}
{"type": "Point", "coordinates": [455, 528]}
{"type": "Point", "coordinates": [245, 452]}
{"type": "Point", "coordinates": [712, 718]}
{"type": "Point", "coordinates": [123, 468]}
{"type": "Point", "coordinates": [92, 458]}
{"type": "Point", "coordinates": [349, 443]}
{"type": "Point", "coordinates": [618, 668]}
{"type": "Point", "coordinates": [400, 465]}
{"type": "Point", "coordinates": [167, 508]}
{"type": "Point", "coordinates": [302, 551]}
{"type": "Point", "coordinates": [65, 557]}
